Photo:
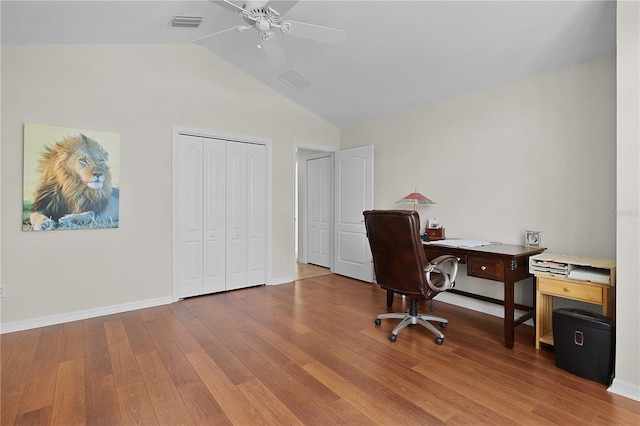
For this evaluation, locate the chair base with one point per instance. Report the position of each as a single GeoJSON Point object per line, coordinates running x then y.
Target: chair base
{"type": "Point", "coordinates": [412, 318]}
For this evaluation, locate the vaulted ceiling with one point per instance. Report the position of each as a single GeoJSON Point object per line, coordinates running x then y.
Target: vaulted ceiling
{"type": "Point", "coordinates": [396, 55]}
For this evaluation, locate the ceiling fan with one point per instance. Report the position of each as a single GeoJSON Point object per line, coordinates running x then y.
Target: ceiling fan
{"type": "Point", "coordinates": [259, 15]}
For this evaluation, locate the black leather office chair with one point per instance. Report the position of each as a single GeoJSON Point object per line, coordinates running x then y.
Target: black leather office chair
{"type": "Point", "coordinates": [401, 266]}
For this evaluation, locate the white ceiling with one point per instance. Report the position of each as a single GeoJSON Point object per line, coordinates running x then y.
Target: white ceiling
{"type": "Point", "coordinates": [397, 54]}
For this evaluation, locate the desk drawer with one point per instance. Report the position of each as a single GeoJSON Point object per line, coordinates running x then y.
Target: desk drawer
{"type": "Point", "coordinates": [577, 291]}
{"type": "Point", "coordinates": [432, 254]}
{"type": "Point", "coordinates": [482, 267]}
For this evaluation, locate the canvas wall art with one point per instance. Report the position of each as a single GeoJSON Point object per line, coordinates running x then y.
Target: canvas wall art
{"type": "Point", "coordinates": [71, 179]}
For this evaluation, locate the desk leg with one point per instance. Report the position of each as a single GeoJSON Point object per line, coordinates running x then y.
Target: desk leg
{"type": "Point", "coordinates": [509, 312]}
{"type": "Point", "coordinates": [534, 287]}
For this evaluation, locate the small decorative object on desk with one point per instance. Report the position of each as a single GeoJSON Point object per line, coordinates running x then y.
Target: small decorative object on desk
{"type": "Point", "coordinates": [532, 239]}
{"type": "Point", "coordinates": [434, 234]}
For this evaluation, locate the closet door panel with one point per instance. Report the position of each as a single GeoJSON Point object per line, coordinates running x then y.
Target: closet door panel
{"type": "Point", "coordinates": [189, 212]}
{"type": "Point", "coordinates": [214, 247]}
{"type": "Point", "coordinates": [236, 206]}
{"type": "Point", "coordinates": [256, 214]}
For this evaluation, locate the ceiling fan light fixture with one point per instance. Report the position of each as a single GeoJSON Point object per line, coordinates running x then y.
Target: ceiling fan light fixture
{"type": "Point", "coordinates": [182, 21]}
{"type": "Point", "coordinates": [262, 25]}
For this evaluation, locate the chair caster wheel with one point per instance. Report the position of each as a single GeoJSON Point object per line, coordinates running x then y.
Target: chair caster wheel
{"type": "Point", "coordinates": [378, 321]}
{"type": "Point", "coordinates": [443, 324]}
{"type": "Point", "coordinates": [393, 337]}
{"type": "Point", "coordinates": [439, 340]}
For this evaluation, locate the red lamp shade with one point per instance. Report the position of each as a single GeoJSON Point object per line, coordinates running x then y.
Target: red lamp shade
{"type": "Point", "coordinates": [415, 198]}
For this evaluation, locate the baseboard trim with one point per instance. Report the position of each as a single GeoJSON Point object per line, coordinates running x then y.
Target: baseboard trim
{"type": "Point", "coordinates": [281, 280]}
{"type": "Point", "coordinates": [10, 327]}
{"type": "Point", "coordinates": [454, 299]}
{"type": "Point", "coordinates": [625, 389]}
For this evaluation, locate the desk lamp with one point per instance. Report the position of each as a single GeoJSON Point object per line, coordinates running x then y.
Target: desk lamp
{"type": "Point", "coordinates": [415, 198]}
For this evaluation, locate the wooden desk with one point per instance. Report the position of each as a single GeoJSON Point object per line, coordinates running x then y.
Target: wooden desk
{"type": "Point", "coordinates": [505, 263]}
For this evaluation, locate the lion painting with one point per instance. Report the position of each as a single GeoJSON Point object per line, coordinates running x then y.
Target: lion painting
{"type": "Point", "coordinates": [74, 187]}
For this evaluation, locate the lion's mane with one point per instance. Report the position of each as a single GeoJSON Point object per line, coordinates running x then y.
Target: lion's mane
{"type": "Point", "coordinates": [74, 178]}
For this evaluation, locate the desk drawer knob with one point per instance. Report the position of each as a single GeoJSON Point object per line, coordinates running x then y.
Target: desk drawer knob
{"type": "Point", "coordinates": [483, 268]}
{"type": "Point", "coordinates": [566, 289]}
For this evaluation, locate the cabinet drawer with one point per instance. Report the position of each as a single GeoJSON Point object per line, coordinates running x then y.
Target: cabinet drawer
{"type": "Point", "coordinates": [481, 267]}
{"type": "Point", "coordinates": [584, 292]}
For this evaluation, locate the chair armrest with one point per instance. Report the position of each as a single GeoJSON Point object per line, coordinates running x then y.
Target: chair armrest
{"type": "Point", "coordinates": [447, 266]}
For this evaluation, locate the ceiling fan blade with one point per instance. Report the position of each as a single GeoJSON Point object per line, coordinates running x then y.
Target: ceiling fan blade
{"type": "Point", "coordinates": [281, 6]}
{"type": "Point", "coordinates": [228, 5]}
{"type": "Point", "coordinates": [274, 52]}
{"type": "Point", "coordinates": [314, 32]}
{"type": "Point", "coordinates": [201, 39]}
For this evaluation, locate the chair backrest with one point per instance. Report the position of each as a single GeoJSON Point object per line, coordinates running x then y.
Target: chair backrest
{"type": "Point", "coordinates": [398, 256]}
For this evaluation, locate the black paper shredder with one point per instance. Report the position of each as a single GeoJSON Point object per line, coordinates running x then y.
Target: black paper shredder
{"type": "Point", "coordinates": [584, 343]}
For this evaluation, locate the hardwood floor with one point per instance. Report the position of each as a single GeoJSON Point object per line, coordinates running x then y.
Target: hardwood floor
{"type": "Point", "coordinates": [307, 270]}
{"type": "Point", "coordinates": [301, 353]}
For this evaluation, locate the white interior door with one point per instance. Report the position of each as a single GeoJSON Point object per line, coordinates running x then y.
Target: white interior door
{"type": "Point", "coordinates": [256, 214]}
{"type": "Point", "coordinates": [319, 208]}
{"type": "Point", "coordinates": [188, 251]}
{"type": "Point", "coordinates": [220, 220]}
{"type": "Point", "coordinates": [213, 198]}
{"type": "Point", "coordinates": [353, 195]}
{"type": "Point", "coordinates": [236, 201]}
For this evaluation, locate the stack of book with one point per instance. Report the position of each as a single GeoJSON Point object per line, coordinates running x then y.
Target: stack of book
{"type": "Point", "coordinates": [550, 267]}
{"type": "Point", "coordinates": [574, 267]}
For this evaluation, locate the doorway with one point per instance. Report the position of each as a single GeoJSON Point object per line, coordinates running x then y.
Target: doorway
{"type": "Point", "coordinates": [348, 196]}
{"type": "Point", "coordinates": [313, 229]}
{"type": "Point", "coordinates": [353, 195]}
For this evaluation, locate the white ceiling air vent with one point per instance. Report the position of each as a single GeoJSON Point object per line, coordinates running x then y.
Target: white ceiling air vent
{"type": "Point", "coordinates": [294, 79]}
{"type": "Point", "coordinates": [182, 21]}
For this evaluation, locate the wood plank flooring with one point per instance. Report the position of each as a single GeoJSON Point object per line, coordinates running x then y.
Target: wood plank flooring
{"type": "Point", "coordinates": [306, 352]}
{"type": "Point", "coordinates": [308, 270]}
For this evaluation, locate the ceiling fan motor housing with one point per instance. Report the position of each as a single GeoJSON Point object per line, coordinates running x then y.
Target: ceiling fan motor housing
{"type": "Point", "coordinates": [263, 19]}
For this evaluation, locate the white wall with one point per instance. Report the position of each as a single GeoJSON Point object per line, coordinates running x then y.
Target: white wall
{"type": "Point", "coordinates": [140, 92]}
{"type": "Point", "coordinates": [627, 381]}
{"type": "Point", "coordinates": [535, 154]}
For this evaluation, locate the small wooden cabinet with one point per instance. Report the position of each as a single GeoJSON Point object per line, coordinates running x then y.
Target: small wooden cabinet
{"type": "Point", "coordinates": [558, 282]}
{"type": "Point", "coordinates": [435, 234]}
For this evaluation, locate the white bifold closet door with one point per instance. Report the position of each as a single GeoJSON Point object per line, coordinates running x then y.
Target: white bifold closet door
{"type": "Point", "coordinates": [246, 214]}
{"type": "Point", "coordinates": [221, 215]}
